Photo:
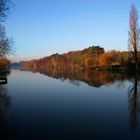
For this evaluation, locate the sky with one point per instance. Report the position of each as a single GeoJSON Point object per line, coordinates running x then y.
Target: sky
{"type": "Point", "coordinates": [44, 27]}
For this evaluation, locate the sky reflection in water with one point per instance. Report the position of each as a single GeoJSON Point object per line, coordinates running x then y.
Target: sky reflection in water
{"type": "Point", "coordinates": [91, 106]}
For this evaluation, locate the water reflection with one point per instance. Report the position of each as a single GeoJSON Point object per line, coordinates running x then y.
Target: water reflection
{"type": "Point", "coordinates": [57, 109]}
{"type": "Point", "coordinates": [75, 76]}
{"type": "Point", "coordinates": [134, 101]}
{"type": "Point", "coordinates": [5, 125]}
{"type": "Point", "coordinates": [3, 80]}
{"type": "Point", "coordinates": [100, 78]}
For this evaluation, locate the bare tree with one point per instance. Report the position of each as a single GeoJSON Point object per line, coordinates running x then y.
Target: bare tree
{"type": "Point", "coordinates": [4, 8]}
{"type": "Point", "coordinates": [134, 34]}
{"type": "Point", "coordinates": [5, 42]}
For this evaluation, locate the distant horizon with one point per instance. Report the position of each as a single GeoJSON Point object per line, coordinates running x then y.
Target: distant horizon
{"type": "Point", "coordinates": [13, 58]}
{"type": "Point", "coordinates": [32, 58]}
{"type": "Point", "coordinates": [37, 58]}
{"type": "Point", "coordinates": [44, 27]}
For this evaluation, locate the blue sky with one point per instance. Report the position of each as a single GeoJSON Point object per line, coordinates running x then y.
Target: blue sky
{"type": "Point", "coordinates": [43, 27]}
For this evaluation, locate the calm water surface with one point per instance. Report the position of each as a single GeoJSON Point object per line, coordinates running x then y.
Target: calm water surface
{"type": "Point", "coordinates": [37, 106]}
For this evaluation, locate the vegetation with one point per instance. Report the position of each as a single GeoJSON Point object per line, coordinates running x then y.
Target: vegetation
{"type": "Point", "coordinates": [92, 58]}
{"type": "Point", "coordinates": [4, 8]}
{"type": "Point", "coordinates": [5, 42]}
{"type": "Point", "coordinates": [134, 35]}
{"type": "Point", "coordinates": [95, 57]}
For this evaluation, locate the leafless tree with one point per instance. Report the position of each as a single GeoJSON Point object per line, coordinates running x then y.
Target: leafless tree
{"type": "Point", "coordinates": [5, 42]}
{"type": "Point", "coordinates": [134, 34]}
{"type": "Point", "coordinates": [4, 8]}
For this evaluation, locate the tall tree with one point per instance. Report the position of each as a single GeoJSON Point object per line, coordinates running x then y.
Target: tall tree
{"type": "Point", "coordinates": [4, 8]}
{"type": "Point", "coordinates": [5, 42]}
{"type": "Point", "coordinates": [134, 34]}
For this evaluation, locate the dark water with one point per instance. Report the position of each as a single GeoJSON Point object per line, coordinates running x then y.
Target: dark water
{"type": "Point", "coordinates": [68, 106]}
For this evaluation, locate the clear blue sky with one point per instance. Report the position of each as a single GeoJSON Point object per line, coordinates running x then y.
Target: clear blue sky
{"type": "Point", "coordinates": [43, 27]}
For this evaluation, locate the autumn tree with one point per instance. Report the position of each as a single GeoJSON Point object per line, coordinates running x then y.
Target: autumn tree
{"type": "Point", "coordinates": [134, 34]}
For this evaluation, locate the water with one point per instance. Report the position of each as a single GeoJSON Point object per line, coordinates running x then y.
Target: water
{"type": "Point", "coordinates": [81, 106]}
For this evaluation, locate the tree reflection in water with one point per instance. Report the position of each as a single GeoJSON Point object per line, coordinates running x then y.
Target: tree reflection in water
{"type": "Point", "coordinates": [5, 128]}
{"type": "Point", "coordinates": [98, 79]}
{"type": "Point", "coordinates": [75, 76]}
{"type": "Point", "coordinates": [134, 101]}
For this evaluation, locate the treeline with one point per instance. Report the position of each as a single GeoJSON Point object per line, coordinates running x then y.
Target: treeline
{"type": "Point", "coordinates": [93, 57]}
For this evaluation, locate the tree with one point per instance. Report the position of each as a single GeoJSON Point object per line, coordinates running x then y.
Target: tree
{"type": "Point", "coordinates": [134, 35]}
{"type": "Point", "coordinates": [5, 42]}
{"type": "Point", "coordinates": [5, 47]}
{"type": "Point", "coordinates": [4, 8]}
